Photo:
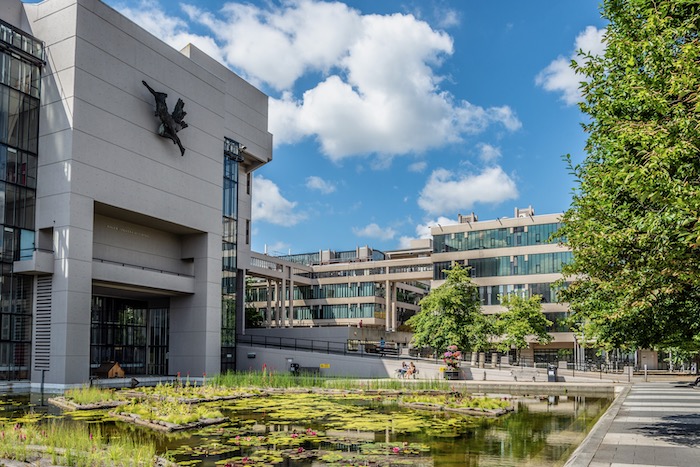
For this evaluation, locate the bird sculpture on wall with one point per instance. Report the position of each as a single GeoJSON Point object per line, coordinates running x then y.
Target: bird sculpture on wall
{"type": "Point", "coordinates": [170, 124]}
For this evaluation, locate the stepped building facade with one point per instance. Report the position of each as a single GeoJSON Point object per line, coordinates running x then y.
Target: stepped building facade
{"type": "Point", "coordinates": [125, 175]}
{"type": "Point", "coordinates": [381, 290]}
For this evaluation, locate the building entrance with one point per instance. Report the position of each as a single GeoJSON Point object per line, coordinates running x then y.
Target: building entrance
{"type": "Point", "coordinates": [132, 333]}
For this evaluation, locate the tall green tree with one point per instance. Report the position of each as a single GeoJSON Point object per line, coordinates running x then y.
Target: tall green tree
{"type": "Point", "coordinates": [634, 222]}
{"type": "Point", "coordinates": [451, 315]}
{"type": "Point", "coordinates": [522, 321]}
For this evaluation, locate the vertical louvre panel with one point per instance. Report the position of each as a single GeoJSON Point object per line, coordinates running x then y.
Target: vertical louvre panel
{"type": "Point", "coordinates": [42, 325]}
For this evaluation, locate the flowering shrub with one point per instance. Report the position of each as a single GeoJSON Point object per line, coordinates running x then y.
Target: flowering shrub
{"type": "Point", "coordinates": [452, 357]}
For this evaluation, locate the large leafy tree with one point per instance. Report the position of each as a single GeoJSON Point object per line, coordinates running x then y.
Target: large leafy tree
{"type": "Point", "coordinates": [634, 223]}
{"type": "Point", "coordinates": [522, 321]}
{"type": "Point", "coordinates": [451, 315]}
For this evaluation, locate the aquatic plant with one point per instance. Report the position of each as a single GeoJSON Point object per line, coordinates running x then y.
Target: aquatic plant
{"type": "Point", "coordinates": [86, 395]}
{"type": "Point", "coordinates": [193, 393]}
{"type": "Point", "coordinates": [176, 413]}
{"type": "Point", "coordinates": [283, 380]}
{"type": "Point", "coordinates": [458, 400]}
{"type": "Point", "coordinates": [75, 445]}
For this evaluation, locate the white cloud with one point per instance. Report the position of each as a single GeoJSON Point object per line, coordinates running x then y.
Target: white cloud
{"type": "Point", "coordinates": [317, 183]}
{"type": "Point", "coordinates": [379, 88]}
{"type": "Point", "coordinates": [277, 249]}
{"type": "Point", "coordinates": [488, 153]}
{"type": "Point", "coordinates": [374, 231]}
{"type": "Point", "coordinates": [418, 166]}
{"type": "Point", "coordinates": [270, 206]}
{"type": "Point", "coordinates": [558, 76]}
{"type": "Point", "coordinates": [170, 29]}
{"type": "Point", "coordinates": [447, 17]}
{"type": "Point", "coordinates": [423, 230]}
{"type": "Point", "coordinates": [446, 193]}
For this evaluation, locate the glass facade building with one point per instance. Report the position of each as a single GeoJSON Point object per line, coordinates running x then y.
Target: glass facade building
{"type": "Point", "coordinates": [21, 59]}
{"type": "Point", "coordinates": [229, 267]}
{"type": "Point", "coordinates": [504, 237]}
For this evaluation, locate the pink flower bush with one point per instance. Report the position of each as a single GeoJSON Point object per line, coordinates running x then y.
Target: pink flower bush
{"type": "Point", "coordinates": [452, 357]}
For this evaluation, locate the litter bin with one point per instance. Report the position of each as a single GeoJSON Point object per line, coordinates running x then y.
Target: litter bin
{"type": "Point", "coordinates": [552, 374]}
{"type": "Point", "coordinates": [294, 368]}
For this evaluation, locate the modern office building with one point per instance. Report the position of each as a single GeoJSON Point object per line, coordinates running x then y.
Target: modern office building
{"type": "Point", "coordinates": [506, 256]}
{"type": "Point", "coordinates": [382, 289]}
{"type": "Point", "coordinates": [118, 207]}
{"type": "Point", "coordinates": [340, 288]}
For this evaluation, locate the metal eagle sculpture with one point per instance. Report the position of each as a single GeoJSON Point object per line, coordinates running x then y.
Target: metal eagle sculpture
{"type": "Point", "coordinates": [170, 123]}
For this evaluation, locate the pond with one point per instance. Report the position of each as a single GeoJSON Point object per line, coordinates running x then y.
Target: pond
{"type": "Point", "coordinates": [350, 429]}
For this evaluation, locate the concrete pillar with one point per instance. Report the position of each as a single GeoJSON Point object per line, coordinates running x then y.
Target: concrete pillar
{"type": "Point", "coordinates": [277, 304]}
{"type": "Point", "coordinates": [393, 306]}
{"type": "Point", "coordinates": [387, 305]}
{"type": "Point", "coordinates": [268, 315]}
{"type": "Point", "coordinates": [283, 302]}
{"type": "Point", "coordinates": [291, 298]}
{"type": "Point", "coordinates": [71, 292]}
{"type": "Point", "coordinates": [195, 320]}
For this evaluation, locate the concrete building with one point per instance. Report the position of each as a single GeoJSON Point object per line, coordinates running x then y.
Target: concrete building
{"type": "Point", "coordinates": [382, 289]}
{"type": "Point", "coordinates": [113, 240]}
{"type": "Point", "coordinates": [506, 256]}
{"type": "Point", "coordinates": [341, 288]}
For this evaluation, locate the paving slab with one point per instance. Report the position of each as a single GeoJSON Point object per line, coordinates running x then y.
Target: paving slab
{"type": "Point", "coordinates": [648, 424]}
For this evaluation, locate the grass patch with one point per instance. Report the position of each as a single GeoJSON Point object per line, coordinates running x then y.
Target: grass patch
{"type": "Point", "coordinates": [265, 379]}
{"type": "Point", "coordinates": [75, 445]}
{"type": "Point", "coordinates": [169, 411]}
{"type": "Point", "coordinates": [90, 395]}
{"type": "Point", "coordinates": [459, 401]}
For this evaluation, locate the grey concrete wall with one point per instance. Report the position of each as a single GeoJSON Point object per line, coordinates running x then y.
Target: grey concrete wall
{"type": "Point", "coordinates": [11, 12]}
{"type": "Point", "coordinates": [134, 244]}
{"type": "Point", "coordinates": [99, 150]}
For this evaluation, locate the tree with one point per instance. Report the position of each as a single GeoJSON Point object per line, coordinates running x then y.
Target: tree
{"type": "Point", "coordinates": [634, 222]}
{"type": "Point", "coordinates": [451, 315]}
{"type": "Point", "coordinates": [522, 320]}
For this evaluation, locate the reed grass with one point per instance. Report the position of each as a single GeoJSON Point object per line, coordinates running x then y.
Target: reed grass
{"type": "Point", "coordinates": [89, 395]}
{"type": "Point", "coordinates": [169, 411]}
{"type": "Point", "coordinates": [267, 379]}
{"type": "Point", "coordinates": [72, 444]}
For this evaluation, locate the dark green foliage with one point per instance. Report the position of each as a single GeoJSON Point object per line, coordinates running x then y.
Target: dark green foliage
{"type": "Point", "coordinates": [634, 224]}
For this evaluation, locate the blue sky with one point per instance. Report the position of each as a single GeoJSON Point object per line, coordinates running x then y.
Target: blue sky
{"type": "Point", "coordinates": [392, 116]}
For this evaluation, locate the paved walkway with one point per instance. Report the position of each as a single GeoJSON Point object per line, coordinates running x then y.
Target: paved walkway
{"type": "Point", "coordinates": [649, 424]}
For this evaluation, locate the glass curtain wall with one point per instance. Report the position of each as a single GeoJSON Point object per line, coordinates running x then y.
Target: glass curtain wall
{"type": "Point", "coordinates": [232, 159]}
{"type": "Point", "coordinates": [21, 59]}
{"type": "Point", "coordinates": [130, 333]}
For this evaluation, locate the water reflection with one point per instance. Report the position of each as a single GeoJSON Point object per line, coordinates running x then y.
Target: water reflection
{"type": "Point", "coordinates": [541, 431]}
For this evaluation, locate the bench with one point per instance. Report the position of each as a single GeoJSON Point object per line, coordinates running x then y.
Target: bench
{"type": "Point", "coordinates": [305, 370]}
{"type": "Point", "coordinates": [524, 374]}
{"type": "Point", "coordinates": [388, 350]}
{"type": "Point", "coordinates": [402, 374]}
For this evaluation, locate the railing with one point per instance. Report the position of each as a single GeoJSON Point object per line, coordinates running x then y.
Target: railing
{"type": "Point", "coordinates": [351, 347]}
{"type": "Point", "coordinates": [28, 253]}
{"type": "Point", "coordinates": [143, 268]}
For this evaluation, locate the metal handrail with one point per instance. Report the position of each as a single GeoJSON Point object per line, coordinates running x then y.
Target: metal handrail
{"type": "Point", "coordinates": [310, 345]}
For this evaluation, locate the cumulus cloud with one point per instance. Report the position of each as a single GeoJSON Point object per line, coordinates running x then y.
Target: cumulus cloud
{"type": "Point", "coordinates": [270, 206]}
{"type": "Point", "coordinates": [558, 76]}
{"type": "Point", "coordinates": [423, 230]}
{"type": "Point", "coordinates": [171, 30]}
{"type": "Point", "coordinates": [446, 192]}
{"type": "Point", "coordinates": [488, 153]}
{"type": "Point", "coordinates": [418, 166]}
{"type": "Point", "coordinates": [317, 183]}
{"type": "Point", "coordinates": [374, 231]}
{"type": "Point", "coordinates": [376, 86]}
